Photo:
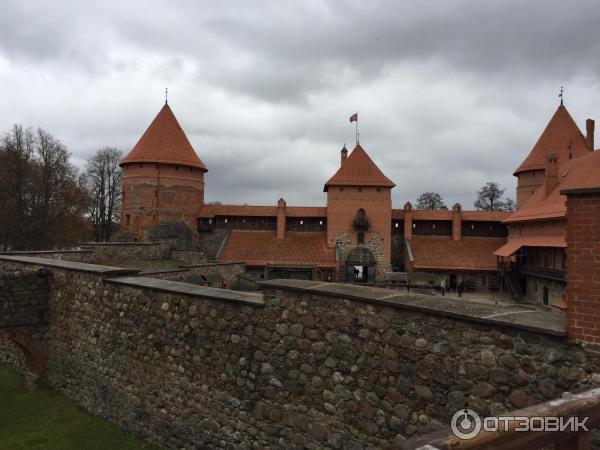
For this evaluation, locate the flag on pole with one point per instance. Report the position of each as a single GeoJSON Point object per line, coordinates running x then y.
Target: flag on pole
{"type": "Point", "coordinates": [354, 118]}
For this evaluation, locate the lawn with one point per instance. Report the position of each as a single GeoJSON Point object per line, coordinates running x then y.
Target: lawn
{"type": "Point", "coordinates": [46, 419]}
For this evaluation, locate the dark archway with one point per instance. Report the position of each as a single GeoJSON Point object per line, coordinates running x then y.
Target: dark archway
{"type": "Point", "coordinates": [360, 265]}
{"type": "Point", "coordinates": [546, 297]}
{"type": "Point", "coordinates": [35, 359]}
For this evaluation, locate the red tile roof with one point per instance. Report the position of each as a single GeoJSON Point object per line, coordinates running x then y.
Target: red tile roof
{"type": "Point", "coordinates": [258, 248]}
{"type": "Point", "coordinates": [210, 211]}
{"type": "Point", "coordinates": [577, 173]}
{"type": "Point", "coordinates": [359, 170]}
{"type": "Point", "coordinates": [442, 253]}
{"type": "Point", "coordinates": [164, 142]}
{"type": "Point", "coordinates": [560, 131]}
{"type": "Point", "coordinates": [530, 241]}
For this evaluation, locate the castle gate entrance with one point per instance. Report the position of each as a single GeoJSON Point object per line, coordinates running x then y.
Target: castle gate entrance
{"type": "Point", "coordinates": [360, 265]}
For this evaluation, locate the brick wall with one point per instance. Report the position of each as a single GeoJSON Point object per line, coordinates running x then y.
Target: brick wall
{"type": "Point", "coordinates": [583, 267]}
{"type": "Point", "coordinates": [167, 194]}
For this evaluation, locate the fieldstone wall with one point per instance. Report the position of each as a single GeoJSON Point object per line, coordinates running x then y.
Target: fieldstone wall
{"type": "Point", "coordinates": [23, 317]}
{"type": "Point", "coordinates": [229, 271]}
{"type": "Point", "coordinates": [61, 255]}
{"type": "Point", "coordinates": [313, 365]}
{"type": "Point", "coordinates": [114, 251]}
{"type": "Point", "coordinates": [377, 245]}
{"type": "Point", "coordinates": [189, 256]}
{"type": "Point", "coordinates": [23, 297]}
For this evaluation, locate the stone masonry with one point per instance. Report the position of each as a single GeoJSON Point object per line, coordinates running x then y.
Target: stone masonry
{"type": "Point", "coordinates": [312, 365]}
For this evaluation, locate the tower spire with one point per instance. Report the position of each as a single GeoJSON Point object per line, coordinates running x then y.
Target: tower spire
{"type": "Point", "coordinates": [166, 96]}
{"type": "Point", "coordinates": [561, 96]}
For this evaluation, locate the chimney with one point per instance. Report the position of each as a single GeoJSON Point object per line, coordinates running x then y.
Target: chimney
{"type": "Point", "coordinates": [551, 173]}
{"type": "Point", "coordinates": [281, 219]}
{"type": "Point", "coordinates": [408, 220]}
{"type": "Point", "coordinates": [456, 222]}
{"type": "Point", "coordinates": [344, 154]}
{"type": "Point", "coordinates": [589, 137]}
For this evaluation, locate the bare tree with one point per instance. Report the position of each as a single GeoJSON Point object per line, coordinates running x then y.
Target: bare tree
{"type": "Point", "coordinates": [16, 151]}
{"type": "Point", "coordinates": [489, 198]}
{"type": "Point", "coordinates": [41, 198]}
{"type": "Point", "coordinates": [430, 200]}
{"type": "Point", "coordinates": [510, 205]}
{"type": "Point", "coordinates": [103, 178]}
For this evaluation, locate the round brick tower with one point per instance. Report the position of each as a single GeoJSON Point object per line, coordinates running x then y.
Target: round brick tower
{"type": "Point", "coordinates": [163, 178]}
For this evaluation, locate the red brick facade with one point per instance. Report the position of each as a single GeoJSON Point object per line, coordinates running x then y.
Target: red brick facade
{"type": "Point", "coordinates": [583, 267]}
{"type": "Point", "coordinates": [154, 193]}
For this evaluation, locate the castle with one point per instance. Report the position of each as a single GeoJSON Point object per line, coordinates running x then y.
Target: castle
{"type": "Point", "coordinates": [358, 235]}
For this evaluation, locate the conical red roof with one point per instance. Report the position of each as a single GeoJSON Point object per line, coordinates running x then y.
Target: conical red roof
{"type": "Point", "coordinates": [359, 170]}
{"type": "Point", "coordinates": [164, 142]}
{"type": "Point", "coordinates": [560, 131]}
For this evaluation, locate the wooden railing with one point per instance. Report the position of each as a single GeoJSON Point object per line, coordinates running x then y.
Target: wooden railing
{"type": "Point", "coordinates": [543, 272]}
{"type": "Point", "coordinates": [581, 406]}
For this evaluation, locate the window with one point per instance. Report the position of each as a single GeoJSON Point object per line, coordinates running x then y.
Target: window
{"type": "Point", "coordinates": [123, 195]}
{"type": "Point", "coordinates": [156, 194]}
{"type": "Point", "coordinates": [378, 189]}
{"type": "Point", "coordinates": [141, 165]}
{"type": "Point", "coordinates": [341, 189]}
{"type": "Point", "coordinates": [360, 238]}
{"type": "Point", "coordinates": [127, 220]}
{"type": "Point", "coordinates": [359, 189]}
{"type": "Point", "coordinates": [176, 167]}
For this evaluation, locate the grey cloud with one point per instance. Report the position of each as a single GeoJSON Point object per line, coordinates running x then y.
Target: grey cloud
{"type": "Point", "coordinates": [451, 94]}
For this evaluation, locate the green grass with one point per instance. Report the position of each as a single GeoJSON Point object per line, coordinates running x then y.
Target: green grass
{"type": "Point", "coordinates": [47, 420]}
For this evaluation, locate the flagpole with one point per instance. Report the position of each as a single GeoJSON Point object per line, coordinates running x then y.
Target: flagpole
{"type": "Point", "coordinates": [356, 130]}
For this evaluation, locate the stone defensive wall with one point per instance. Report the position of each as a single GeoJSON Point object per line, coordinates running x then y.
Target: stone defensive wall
{"type": "Point", "coordinates": [302, 364]}
{"type": "Point", "coordinates": [110, 251]}
{"type": "Point", "coordinates": [24, 311]}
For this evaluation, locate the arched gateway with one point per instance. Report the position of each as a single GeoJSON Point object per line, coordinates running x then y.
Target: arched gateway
{"type": "Point", "coordinates": [360, 265]}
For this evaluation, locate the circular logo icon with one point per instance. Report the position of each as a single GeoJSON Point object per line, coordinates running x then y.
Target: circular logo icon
{"type": "Point", "coordinates": [465, 424]}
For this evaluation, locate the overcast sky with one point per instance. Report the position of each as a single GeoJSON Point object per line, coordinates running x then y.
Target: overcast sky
{"type": "Point", "coordinates": [450, 94]}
